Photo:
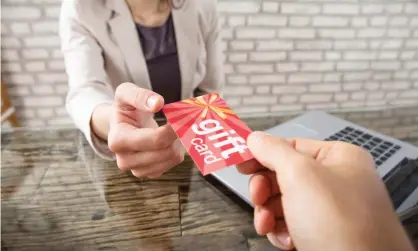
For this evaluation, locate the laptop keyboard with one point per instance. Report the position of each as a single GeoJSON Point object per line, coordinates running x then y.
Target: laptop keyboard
{"type": "Point", "coordinates": [380, 149]}
{"type": "Point", "coordinates": [402, 180]}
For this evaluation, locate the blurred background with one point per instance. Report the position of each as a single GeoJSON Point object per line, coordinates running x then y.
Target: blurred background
{"type": "Point", "coordinates": [280, 57]}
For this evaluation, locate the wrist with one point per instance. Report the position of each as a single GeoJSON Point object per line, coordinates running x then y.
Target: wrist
{"type": "Point", "coordinates": [100, 120]}
{"type": "Point", "coordinates": [388, 235]}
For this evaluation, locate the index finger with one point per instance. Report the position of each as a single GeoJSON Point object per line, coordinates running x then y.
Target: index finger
{"type": "Point", "coordinates": [311, 148]}
{"type": "Point", "coordinates": [161, 138]}
{"type": "Point", "coordinates": [142, 139]}
{"type": "Point", "coordinates": [249, 167]}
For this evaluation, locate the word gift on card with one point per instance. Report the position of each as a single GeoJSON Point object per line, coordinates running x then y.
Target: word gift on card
{"type": "Point", "coordinates": [212, 134]}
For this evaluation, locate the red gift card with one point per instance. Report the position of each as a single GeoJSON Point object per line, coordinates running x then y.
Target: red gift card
{"type": "Point", "coordinates": [211, 133]}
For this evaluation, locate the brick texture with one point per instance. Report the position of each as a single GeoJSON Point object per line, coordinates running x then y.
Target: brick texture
{"type": "Point", "coordinates": [281, 56]}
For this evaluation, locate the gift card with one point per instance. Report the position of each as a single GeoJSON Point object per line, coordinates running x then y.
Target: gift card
{"type": "Point", "coordinates": [210, 131]}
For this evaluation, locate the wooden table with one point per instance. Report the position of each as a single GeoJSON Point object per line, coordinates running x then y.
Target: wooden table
{"type": "Point", "coordinates": [58, 195]}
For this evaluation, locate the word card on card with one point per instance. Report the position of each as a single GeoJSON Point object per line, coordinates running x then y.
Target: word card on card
{"type": "Point", "coordinates": [212, 134]}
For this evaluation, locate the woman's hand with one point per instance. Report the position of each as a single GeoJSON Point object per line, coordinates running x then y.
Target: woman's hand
{"type": "Point", "coordinates": [134, 136]}
{"type": "Point", "coordinates": [319, 195]}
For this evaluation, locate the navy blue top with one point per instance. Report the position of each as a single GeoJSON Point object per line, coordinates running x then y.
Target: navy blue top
{"type": "Point", "coordinates": [160, 52]}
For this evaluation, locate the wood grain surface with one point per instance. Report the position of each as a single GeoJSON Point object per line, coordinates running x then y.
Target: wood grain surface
{"type": "Point", "coordinates": [58, 195]}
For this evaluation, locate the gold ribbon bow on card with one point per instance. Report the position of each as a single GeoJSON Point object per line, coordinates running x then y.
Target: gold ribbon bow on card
{"type": "Point", "coordinates": [199, 101]}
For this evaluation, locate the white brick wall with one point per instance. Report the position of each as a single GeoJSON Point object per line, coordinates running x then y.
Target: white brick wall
{"type": "Point", "coordinates": [281, 56]}
{"type": "Point", "coordinates": [296, 33]}
{"type": "Point", "coordinates": [20, 12]}
{"type": "Point", "coordinates": [341, 9]}
{"type": "Point", "coordinates": [267, 56]}
{"type": "Point", "coordinates": [300, 8]}
{"type": "Point", "coordinates": [267, 79]}
{"type": "Point", "coordinates": [306, 56]}
{"type": "Point", "coordinates": [271, 45]}
{"type": "Point", "coordinates": [255, 33]}
{"type": "Point", "coordinates": [34, 66]}
{"type": "Point", "coordinates": [270, 7]}
{"type": "Point", "coordinates": [45, 27]}
{"type": "Point", "coordinates": [267, 20]}
{"type": "Point", "coordinates": [287, 67]}
{"type": "Point", "coordinates": [304, 78]}
{"type": "Point", "coordinates": [20, 28]}
{"type": "Point", "coordinates": [298, 21]}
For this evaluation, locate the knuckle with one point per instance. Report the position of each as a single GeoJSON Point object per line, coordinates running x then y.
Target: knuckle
{"type": "Point", "coordinates": [178, 157]}
{"type": "Point", "coordinates": [114, 141]}
{"type": "Point", "coordinates": [112, 144]}
{"type": "Point", "coordinates": [285, 141]}
{"type": "Point", "coordinates": [348, 146]}
{"type": "Point", "coordinates": [367, 156]}
{"type": "Point", "coordinates": [345, 145]}
{"type": "Point", "coordinates": [119, 89]}
{"type": "Point", "coordinates": [139, 97]}
{"type": "Point", "coordinates": [161, 142]}
{"type": "Point", "coordinates": [122, 165]}
{"type": "Point", "coordinates": [354, 149]}
{"type": "Point", "coordinates": [125, 162]}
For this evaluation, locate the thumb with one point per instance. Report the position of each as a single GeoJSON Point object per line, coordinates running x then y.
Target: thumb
{"type": "Point", "coordinates": [129, 96]}
{"type": "Point", "coordinates": [276, 154]}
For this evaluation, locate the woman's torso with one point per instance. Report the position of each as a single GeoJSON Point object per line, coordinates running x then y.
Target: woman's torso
{"type": "Point", "coordinates": [128, 59]}
{"type": "Point", "coordinates": [160, 51]}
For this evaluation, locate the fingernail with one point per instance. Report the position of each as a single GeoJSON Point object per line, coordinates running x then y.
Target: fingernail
{"type": "Point", "coordinates": [258, 137]}
{"type": "Point", "coordinates": [258, 209]}
{"type": "Point", "coordinates": [284, 239]}
{"type": "Point", "coordinates": [152, 101]}
{"type": "Point", "coordinates": [255, 221]}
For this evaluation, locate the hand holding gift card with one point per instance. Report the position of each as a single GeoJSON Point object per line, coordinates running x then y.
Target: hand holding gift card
{"type": "Point", "coordinates": [212, 134]}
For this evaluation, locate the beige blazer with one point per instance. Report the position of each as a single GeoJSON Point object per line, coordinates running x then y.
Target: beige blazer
{"type": "Point", "coordinates": [101, 49]}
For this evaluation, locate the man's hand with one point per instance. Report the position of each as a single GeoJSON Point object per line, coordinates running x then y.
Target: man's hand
{"type": "Point", "coordinates": [317, 195]}
{"type": "Point", "coordinates": [139, 144]}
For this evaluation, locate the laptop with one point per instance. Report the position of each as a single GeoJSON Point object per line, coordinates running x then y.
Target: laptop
{"type": "Point", "coordinates": [396, 161]}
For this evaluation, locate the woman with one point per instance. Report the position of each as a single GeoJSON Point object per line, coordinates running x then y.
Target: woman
{"type": "Point", "coordinates": [124, 60]}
